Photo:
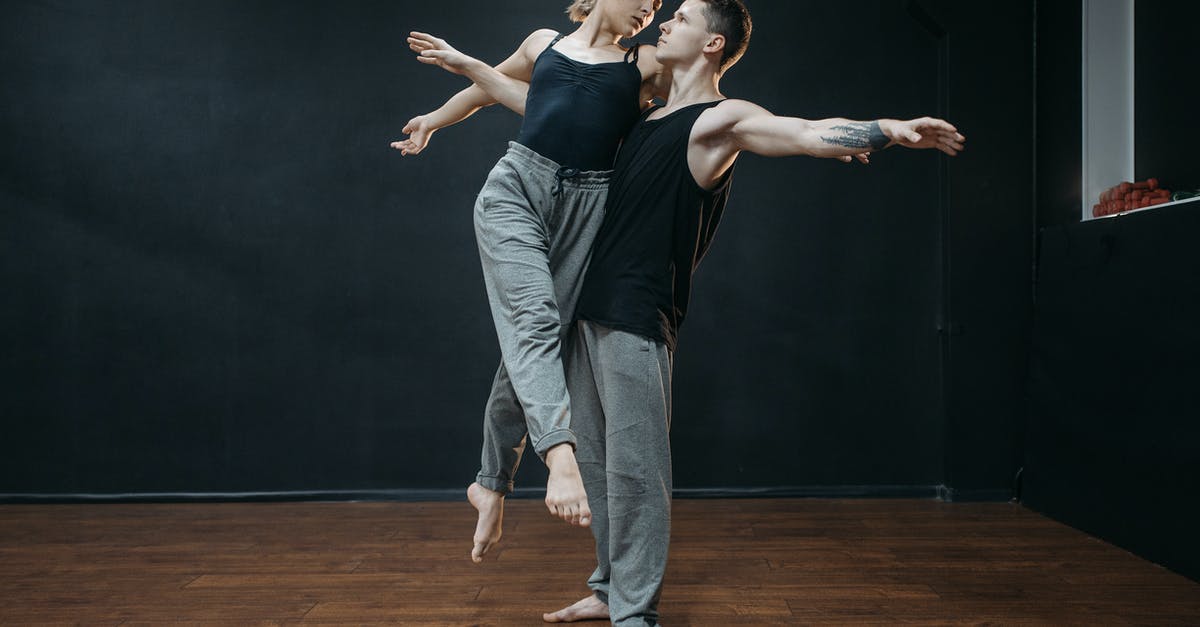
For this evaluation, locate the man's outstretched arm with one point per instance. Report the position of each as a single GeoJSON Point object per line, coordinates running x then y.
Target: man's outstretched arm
{"type": "Point", "coordinates": [465, 103]}
{"type": "Point", "coordinates": [752, 128]}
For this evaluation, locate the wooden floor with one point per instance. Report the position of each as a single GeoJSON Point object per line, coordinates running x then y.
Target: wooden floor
{"type": "Point", "coordinates": [802, 561]}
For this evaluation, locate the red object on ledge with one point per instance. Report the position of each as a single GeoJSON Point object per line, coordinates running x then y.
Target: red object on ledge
{"type": "Point", "coordinates": [1130, 196]}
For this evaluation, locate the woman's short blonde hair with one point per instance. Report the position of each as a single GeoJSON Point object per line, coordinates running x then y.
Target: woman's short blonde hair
{"type": "Point", "coordinates": [580, 9]}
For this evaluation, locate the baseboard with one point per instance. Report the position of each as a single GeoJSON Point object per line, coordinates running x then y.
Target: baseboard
{"type": "Point", "coordinates": [973, 495]}
{"type": "Point", "coordinates": [825, 492]}
{"type": "Point", "coordinates": [404, 495]}
{"type": "Point", "coordinates": [457, 494]}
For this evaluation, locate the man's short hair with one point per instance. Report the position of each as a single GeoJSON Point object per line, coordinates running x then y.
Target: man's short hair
{"type": "Point", "coordinates": [730, 19]}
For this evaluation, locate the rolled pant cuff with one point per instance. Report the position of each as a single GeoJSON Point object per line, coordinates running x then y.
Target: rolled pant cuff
{"type": "Point", "coordinates": [496, 484]}
{"type": "Point", "coordinates": [553, 439]}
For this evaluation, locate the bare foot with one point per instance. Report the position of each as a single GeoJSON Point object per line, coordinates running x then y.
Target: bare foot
{"type": "Point", "coordinates": [590, 608]}
{"type": "Point", "coordinates": [490, 504]}
{"type": "Point", "coordinates": [565, 496]}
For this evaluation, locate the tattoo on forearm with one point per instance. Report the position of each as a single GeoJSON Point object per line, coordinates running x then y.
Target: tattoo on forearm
{"type": "Point", "coordinates": [860, 135]}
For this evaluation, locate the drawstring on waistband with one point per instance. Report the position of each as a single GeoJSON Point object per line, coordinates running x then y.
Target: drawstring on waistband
{"type": "Point", "coordinates": [563, 174]}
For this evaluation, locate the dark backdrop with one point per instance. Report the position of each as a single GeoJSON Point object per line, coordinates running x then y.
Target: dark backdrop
{"type": "Point", "coordinates": [1113, 432]}
{"type": "Point", "coordinates": [1112, 445]}
{"type": "Point", "coordinates": [219, 278]}
{"type": "Point", "coordinates": [1165, 58]}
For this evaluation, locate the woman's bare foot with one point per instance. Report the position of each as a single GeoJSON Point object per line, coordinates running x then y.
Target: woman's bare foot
{"type": "Point", "coordinates": [565, 496]}
{"type": "Point", "coordinates": [590, 608]}
{"type": "Point", "coordinates": [490, 505]}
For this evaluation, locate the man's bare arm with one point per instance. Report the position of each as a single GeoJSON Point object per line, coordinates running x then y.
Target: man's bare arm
{"type": "Point", "coordinates": [736, 125]}
{"type": "Point", "coordinates": [755, 129]}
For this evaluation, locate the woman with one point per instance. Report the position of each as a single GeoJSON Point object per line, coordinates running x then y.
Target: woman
{"type": "Point", "coordinates": [535, 220]}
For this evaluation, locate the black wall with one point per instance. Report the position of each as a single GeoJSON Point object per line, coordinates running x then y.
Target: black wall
{"type": "Point", "coordinates": [1112, 446]}
{"type": "Point", "coordinates": [1112, 437]}
{"type": "Point", "coordinates": [219, 278]}
{"type": "Point", "coordinates": [1166, 60]}
{"type": "Point", "coordinates": [1059, 100]}
{"type": "Point", "coordinates": [989, 239]}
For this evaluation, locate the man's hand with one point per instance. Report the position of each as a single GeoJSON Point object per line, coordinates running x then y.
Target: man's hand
{"type": "Point", "coordinates": [434, 51]}
{"type": "Point", "coordinates": [419, 131]}
{"type": "Point", "coordinates": [924, 133]}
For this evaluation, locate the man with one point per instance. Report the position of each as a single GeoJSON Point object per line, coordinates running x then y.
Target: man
{"type": "Point", "coordinates": [670, 184]}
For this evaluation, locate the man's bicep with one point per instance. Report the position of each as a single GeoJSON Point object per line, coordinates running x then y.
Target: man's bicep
{"type": "Point", "coordinates": [761, 132]}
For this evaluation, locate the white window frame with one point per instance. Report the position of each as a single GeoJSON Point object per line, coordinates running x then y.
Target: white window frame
{"type": "Point", "coordinates": [1108, 97]}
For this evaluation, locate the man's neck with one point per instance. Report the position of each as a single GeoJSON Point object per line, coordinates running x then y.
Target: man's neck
{"type": "Point", "coordinates": [692, 84]}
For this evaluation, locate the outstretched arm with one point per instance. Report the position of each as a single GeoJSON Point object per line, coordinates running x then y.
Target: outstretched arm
{"type": "Point", "coordinates": [755, 129]}
{"type": "Point", "coordinates": [465, 103]}
{"type": "Point", "coordinates": [507, 89]}
{"type": "Point", "coordinates": [736, 125]}
{"type": "Point", "coordinates": [459, 107]}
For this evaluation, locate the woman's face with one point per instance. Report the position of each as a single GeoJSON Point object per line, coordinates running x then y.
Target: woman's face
{"type": "Point", "coordinates": [630, 16]}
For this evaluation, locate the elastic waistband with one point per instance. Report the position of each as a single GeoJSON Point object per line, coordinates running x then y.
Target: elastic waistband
{"type": "Point", "coordinates": [535, 161]}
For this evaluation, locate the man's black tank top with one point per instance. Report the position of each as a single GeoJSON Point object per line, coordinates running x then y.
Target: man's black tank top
{"type": "Point", "coordinates": [658, 224]}
{"type": "Point", "coordinates": [577, 113]}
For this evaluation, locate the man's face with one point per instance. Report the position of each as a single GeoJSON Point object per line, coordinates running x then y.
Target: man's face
{"type": "Point", "coordinates": [636, 14]}
{"type": "Point", "coordinates": [685, 35]}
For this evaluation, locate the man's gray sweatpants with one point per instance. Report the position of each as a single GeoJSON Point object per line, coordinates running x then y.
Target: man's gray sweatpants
{"type": "Point", "coordinates": [534, 223]}
{"type": "Point", "coordinates": [620, 386]}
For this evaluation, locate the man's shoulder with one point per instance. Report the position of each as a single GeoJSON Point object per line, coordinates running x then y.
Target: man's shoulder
{"type": "Point", "coordinates": [734, 108]}
{"type": "Point", "coordinates": [724, 115]}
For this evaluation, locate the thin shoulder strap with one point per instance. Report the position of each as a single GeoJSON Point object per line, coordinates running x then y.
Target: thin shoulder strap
{"type": "Point", "coordinates": [554, 41]}
{"type": "Point", "coordinates": [632, 52]}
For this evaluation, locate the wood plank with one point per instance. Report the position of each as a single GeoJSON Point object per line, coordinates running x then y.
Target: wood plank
{"type": "Point", "coordinates": [732, 562]}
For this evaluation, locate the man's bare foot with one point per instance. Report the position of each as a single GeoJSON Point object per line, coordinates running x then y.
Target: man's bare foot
{"type": "Point", "coordinates": [565, 496]}
{"type": "Point", "coordinates": [590, 608]}
{"type": "Point", "coordinates": [490, 504]}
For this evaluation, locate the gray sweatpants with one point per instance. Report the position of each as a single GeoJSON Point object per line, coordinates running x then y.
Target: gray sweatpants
{"type": "Point", "coordinates": [620, 386]}
{"type": "Point", "coordinates": [534, 223]}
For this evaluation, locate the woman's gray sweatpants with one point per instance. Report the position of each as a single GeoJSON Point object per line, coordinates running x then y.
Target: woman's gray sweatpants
{"type": "Point", "coordinates": [620, 387]}
{"type": "Point", "coordinates": [534, 222]}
